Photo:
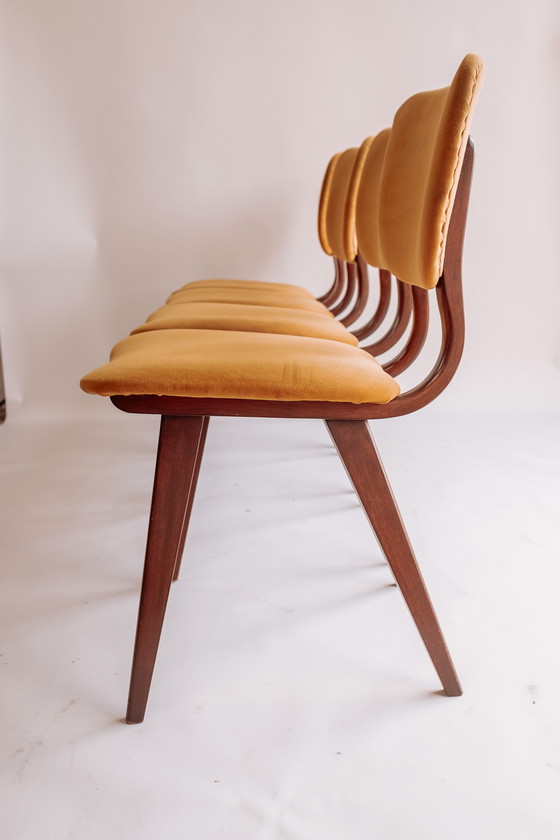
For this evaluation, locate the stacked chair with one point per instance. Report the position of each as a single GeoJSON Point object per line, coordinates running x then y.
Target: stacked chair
{"type": "Point", "coordinates": [252, 349]}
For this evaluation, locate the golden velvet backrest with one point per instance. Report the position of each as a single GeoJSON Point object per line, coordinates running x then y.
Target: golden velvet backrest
{"type": "Point", "coordinates": [409, 180]}
{"type": "Point", "coordinates": [323, 204]}
{"type": "Point", "coordinates": [337, 204]}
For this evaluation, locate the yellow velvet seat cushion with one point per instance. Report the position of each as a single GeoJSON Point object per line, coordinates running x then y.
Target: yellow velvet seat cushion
{"type": "Point", "coordinates": [249, 286]}
{"type": "Point", "coordinates": [258, 319]}
{"type": "Point", "coordinates": [241, 365]}
{"type": "Point", "coordinates": [247, 298]}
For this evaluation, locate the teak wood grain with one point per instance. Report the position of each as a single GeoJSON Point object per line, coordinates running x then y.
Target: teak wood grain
{"type": "Point", "coordinates": [176, 458]}
{"type": "Point", "coordinates": [365, 470]}
{"type": "Point", "coordinates": [362, 296]}
{"type": "Point", "coordinates": [399, 324]}
{"type": "Point", "coordinates": [418, 334]}
{"type": "Point", "coordinates": [351, 285]}
{"type": "Point", "coordinates": [330, 298]}
{"type": "Point", "coordinates": [382, 304]}
{"type": "Point", "coordinates": [192, 490]}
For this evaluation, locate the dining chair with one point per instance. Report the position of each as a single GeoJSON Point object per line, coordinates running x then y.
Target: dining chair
{"type": "Point", "coordinates": [411, 209]}
{"type": "Point", "coordinates": [253, 306]}
{"type": "Point", "coordinates": [262, 313]}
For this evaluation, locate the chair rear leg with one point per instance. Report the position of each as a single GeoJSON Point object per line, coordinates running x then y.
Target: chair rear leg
{"type": "Point", "coordinates": [361, 459]}
{"type": "Point", "coordinates": [178, 445]}
{"type": "Point", "coordinates": [192, 491]}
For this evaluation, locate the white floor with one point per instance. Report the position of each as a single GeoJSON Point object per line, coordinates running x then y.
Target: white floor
{"type": "Point", "coordinates": [292, 698]}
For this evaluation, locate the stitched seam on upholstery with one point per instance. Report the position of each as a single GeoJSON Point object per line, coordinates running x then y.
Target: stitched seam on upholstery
{"type": "Point", "coordinates": [452, 187]}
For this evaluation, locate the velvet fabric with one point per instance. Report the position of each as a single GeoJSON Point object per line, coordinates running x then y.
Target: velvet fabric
{"type": "Point", "coordinates": [347, 241]}
{"type": "Point", "coordinates": [241, 365]}
{"type": "Point", "coordinates": [243, 296]}
{"type": "Point", "coordinates": [410, 178]}
{"type": "Point", "coordinates": [259, 319]}
{"type": "Point", "coordinates": [323, 204]}
{"type": "Point", "coordinates": [398, 189]}
{"type": "Point", "coordinates": [249, 286]}
{"type": "Point", "coordinates": [336, 204]}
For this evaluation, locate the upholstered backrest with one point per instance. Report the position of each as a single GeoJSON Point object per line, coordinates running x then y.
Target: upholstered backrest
{"type": "Point", "coordinates": [323, 203]}
{"type": "Point", "coordinates": [347, 225]}
{"type": "Point", "coordinates": [337, 204]}
{"type": "Point", "coordinates": [409, 180]}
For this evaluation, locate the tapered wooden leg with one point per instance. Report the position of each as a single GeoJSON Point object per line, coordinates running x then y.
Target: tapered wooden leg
{"type": "Point", "coordinates": [178, 445]}
{"type": "Point", "coordinates": [192, 491]}
{"type": "Point", "coordinates": [359, 455]}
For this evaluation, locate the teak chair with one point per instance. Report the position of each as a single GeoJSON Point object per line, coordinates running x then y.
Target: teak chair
{"type": "Point", "coordinates": [253, 306]}
{"type": "Point", "coordinates": [288, 309]}
{"type": "Point", "coordinates": [411, 212]}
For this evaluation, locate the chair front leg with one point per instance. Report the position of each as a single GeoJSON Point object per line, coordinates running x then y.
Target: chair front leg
{"type": "Point", "coordinates": [176, 459]}
{"type": "Point", "coordinates": [192, 491]}
{"type": "Point", "coordinates": [361, 459]}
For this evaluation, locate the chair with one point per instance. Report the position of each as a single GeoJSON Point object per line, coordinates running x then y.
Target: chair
{"type": "Point", "coordinates": [299, 313]}
{"type": "Point", "coordinates": [252, 306]}
{"type": "Point", "coordinates": [215, 303]}
{"type": "Point", "coordinates": [411, 211]}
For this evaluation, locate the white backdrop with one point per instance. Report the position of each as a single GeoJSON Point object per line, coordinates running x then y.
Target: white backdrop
{"type": "Point", "coordinates": [148, 143]}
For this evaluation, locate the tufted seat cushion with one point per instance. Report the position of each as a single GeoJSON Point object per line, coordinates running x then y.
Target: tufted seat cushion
{"type": "Point", "coordinates": [247, 297]}
{"type": "Point", "coordinates": [241, 365]}
{"type": "Point", "coordinates": [258, 319]}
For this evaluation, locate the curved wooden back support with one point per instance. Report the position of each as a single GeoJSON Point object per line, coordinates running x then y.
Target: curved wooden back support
{"type": "Point", "coordinates": [400, 322]}
{"type": "Point", "coordinates": [338, 284]}
{"type": "Point", "coordinates": [362, 296]}
{"type": "Point", "coordinates": [418, 333]}
{"type": "Point", "coordinates": [382, 304]}
{"type": "Point", "coordinates": [450, 304]}
{"type": "Point", "coordinates": [351, 284]}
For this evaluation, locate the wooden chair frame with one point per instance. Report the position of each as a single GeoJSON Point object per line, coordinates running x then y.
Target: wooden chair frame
{"type": "Point", "coordinates": [349, 291]}
{"type": "Point", "coordinates": [353, 278]}
{"type": "Point", "coordinates": [329, 298]}
{"type": "Point", "coordinates": [383, 301]}
{"type": "Point", "coordinates": [184, 423]}
{"type": "Point", "coordinates": [351, 284]}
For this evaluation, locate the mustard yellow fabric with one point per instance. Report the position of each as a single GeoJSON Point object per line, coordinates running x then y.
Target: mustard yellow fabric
{"type": "Point", "coordinates": [368, 202]}
{"type": "Point", "coordinates": [349, 240]}
{"type": "Point", "coordinates": [340, 207]}
{"type": "Point", "coordinates": [249, 285]}
{"type": "Point", "coordinates": [246, 297]}
{"type": "Point", "coordinates": [410, 178]}
{"type": "Point", "coordinates": [258, 319]}
{"type": "Point", "coordinates": [341, 178]}
{"type": "Point", "coordinates": [323, 204]}
{"type": "Point", "coordinates": [241, 365]}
